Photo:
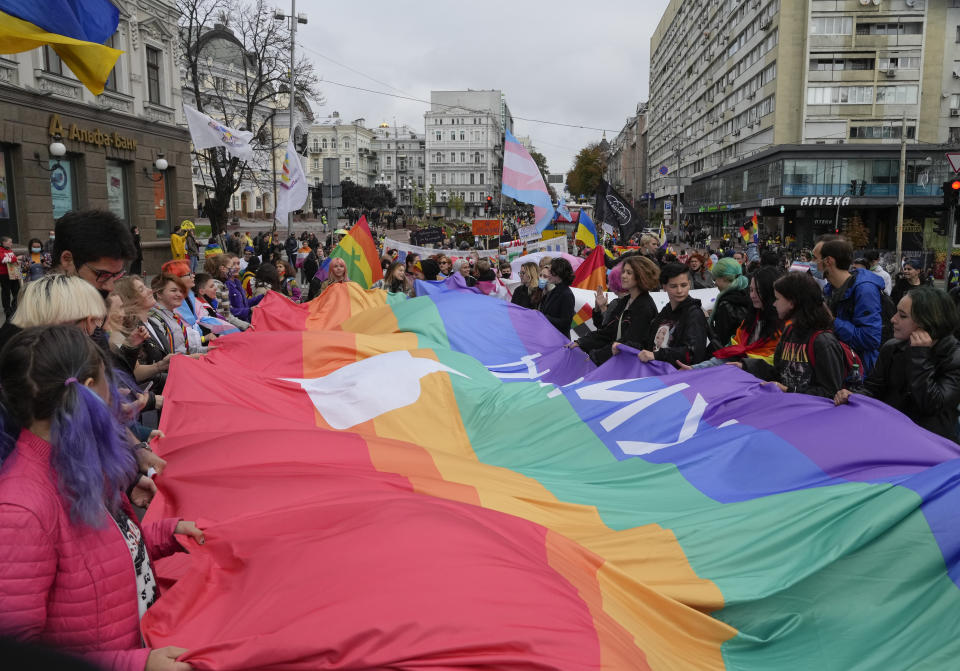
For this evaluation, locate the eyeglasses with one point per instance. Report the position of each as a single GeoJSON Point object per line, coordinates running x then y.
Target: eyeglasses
{"type": "Point", "coordinates": [106, 275]}
{"type": "Point", "coordinates": [188, 275]}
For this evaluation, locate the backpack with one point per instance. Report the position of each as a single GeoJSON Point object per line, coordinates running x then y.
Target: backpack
{"type": "Point", "coordinates": [887, 310]}
{"type": "Point", "coordinates": [852, 364]}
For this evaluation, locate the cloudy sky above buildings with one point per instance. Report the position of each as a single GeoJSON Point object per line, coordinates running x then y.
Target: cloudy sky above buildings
{"type": "Point", "coordinates": [585, 64]}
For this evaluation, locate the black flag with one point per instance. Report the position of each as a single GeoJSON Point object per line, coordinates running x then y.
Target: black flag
{"type": "Point", "coordinates": [613, 209]}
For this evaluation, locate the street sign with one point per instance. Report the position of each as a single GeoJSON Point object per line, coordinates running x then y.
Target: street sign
{"type": "Point", "coordinates": [954, 158]}
{"type": "Point", "coordinates": [664, 170]}
{"type": "Point", "coordinates": [667, 206]}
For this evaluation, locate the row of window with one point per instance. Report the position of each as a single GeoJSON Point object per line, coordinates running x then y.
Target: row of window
{"type": "Point", "coordinates": [457, 121]}
{"type": "Point", "coordinates": [821, 64]}
{"type": "Point", "coordinates": [843, 25]}
{"type": "Point", "coordinates": [862, 95]}
{"type": "Point", "coordinates": [453, 136]}
{"type": "Point", "coordinates": [458, 178]}
{"type": "Point", "coordinates": [439, 157]}
{"type": "Point", "coordinates": [761, 22]}
{"type": "Point", "coordinates": [53, 64]}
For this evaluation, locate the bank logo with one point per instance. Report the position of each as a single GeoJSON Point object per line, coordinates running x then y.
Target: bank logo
{"type": "Point", "coordinates": [58, 178]}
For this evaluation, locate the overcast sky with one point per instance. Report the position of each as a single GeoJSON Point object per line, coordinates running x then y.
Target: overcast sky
{"type": "Point", "coordinates": [572, 62]}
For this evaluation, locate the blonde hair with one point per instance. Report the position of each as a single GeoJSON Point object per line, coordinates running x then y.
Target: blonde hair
{"type": "Point", "coordinates": [57, 299]}
{"type": "Point", "coordinates": [533, 274]}
{"type": "Point", "coordinates": [544, 263]}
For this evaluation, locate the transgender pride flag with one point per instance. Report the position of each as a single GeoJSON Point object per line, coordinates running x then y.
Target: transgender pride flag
{"type": "Point", "coordinates": [522, 181]}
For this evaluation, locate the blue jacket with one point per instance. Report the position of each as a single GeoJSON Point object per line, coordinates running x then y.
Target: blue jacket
{"type": "Point", "coordinates": [240, 305]}
{"type": "Point", "coordinates": [858, 315]}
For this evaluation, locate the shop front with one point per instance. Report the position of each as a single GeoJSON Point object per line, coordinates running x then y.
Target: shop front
{"type": "Point", "coordinates": [109, 161]}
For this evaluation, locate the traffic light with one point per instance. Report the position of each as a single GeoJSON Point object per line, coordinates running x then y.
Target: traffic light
{"type": "Point", "coordinates": [487, 205]}
{"type": "Point", "coordinates": [951, 193]}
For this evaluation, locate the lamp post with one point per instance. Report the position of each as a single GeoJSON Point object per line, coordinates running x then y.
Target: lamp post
{"type": "Point", "coordinates": [57, 151]}
{"type": "Point", "coordinates": [160, 165]}
{"type": "Point", "coordinates": [294, 20]}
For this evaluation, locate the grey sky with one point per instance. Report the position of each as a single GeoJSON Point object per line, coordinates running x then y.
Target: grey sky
{"type": "Point", "coordinates": [573, 62]}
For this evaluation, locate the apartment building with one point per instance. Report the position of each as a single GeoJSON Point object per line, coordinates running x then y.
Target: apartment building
{"type": "Point", "coordinates": [627, 161]}
{"type": "Point", "coordinates": [400, 152]}
{"type": "Point", "coordinates": [464, 148]}
{"type": "Point", "coordinates": [351, 144]}
{"type": "Point", "coordinates": [782, 107]}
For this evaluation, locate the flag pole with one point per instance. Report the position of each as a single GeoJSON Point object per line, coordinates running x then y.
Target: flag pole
{"type": "Point", "coordinates": [293, 89]}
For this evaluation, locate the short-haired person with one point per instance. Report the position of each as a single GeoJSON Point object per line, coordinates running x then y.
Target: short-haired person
{"type": "Point", "coordinates": [77, 564]}
{"type": "Point", "coordinates": [918, 371]}
{"type": "Point", "coordinates": [165, 323]}
{"type": "Point", "coordinates": [733, 303]}
{"type": "Point", "coordinates": [558, 305]}
{"type": "Point", "coordinates": [911, 277]}
{"type": "Point", "coordinates": [808, 358]}
{"type": "Point", "coordinates": [873, 259]}
{"type": "Point", "coordinates": [853, 297]}
{"type": "Point", "coordinates": [95, 245]}
{"type": "Point", "coordinates": [630, 316]}
{"type": "Point", "coordinates": [679, 333]}
{"type": "Point", "coordinates": [234, 305]}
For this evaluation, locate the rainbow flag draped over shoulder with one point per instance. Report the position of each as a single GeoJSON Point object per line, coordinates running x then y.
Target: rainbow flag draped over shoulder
{"type": "Point", "coordinates": [427, 493]}
{"type": "Point", "coordinates": [359, 251]}
{"type": "Point", "coordinates": [75, 29]}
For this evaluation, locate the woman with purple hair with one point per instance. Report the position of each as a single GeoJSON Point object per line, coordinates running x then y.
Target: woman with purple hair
{"type": "Point", "coordinates": [76, 570]}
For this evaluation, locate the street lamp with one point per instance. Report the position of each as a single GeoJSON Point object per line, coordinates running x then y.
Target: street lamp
{"type": "Point", "coordinates": [160, 165]}
{"type": "Point", "coordinates": [295, 18]}
{"type": "Point", "coordinates": [57, 151]}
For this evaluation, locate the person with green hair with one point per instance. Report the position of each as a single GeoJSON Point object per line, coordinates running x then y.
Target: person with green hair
{"type": "Point", "coordinates": [733, 304]}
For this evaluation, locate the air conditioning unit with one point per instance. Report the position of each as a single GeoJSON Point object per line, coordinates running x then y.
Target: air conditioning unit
{"type": "Point", "coordinates": [956, 74]}
{"type": "Point", "coordinates": [955, 112]}
{"type": "Point", "coordinates": [752, 95]}
{"type": "Point", "coordinates": [736, 133]}
{"type": "Point", "coordinates": [765, 24]}
{"type": "Point", "coordinates": [891, 73]}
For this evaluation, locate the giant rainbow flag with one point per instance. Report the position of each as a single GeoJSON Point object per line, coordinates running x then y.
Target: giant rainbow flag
{"type": "Point", "coordinates": [438, 483]}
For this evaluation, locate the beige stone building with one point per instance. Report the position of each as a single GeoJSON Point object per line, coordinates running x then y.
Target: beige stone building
{"type": "Point", "coordinates": [774, 106]}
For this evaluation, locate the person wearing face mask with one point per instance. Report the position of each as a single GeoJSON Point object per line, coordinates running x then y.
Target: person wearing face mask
{"type": "Point", "coordinates": [48, 245]}
{"type": "Point", "coordinates": [918, 370]}
{"type": "Point", "coordinates": [38, 262]}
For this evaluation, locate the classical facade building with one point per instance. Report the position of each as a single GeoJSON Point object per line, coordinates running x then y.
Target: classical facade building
{"type": "Point", "coordinates": [351, 144]}
{"type": "Point", "coordinates": [400, 152]}
{"type": "Point", "coordinates": [768, 106]}
{"type": "Point", "coordinates": [627, 163]}
{"type": "Point", "coordinates": [112, 140]}
{"type": "Point", "coordinates": [464, 148]}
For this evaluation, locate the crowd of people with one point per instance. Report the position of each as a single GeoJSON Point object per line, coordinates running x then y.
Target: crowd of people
{"type": "Point", "coordinates": [87, 346]}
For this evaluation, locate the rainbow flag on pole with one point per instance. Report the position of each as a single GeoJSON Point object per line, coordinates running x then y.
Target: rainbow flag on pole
{"type": "Point", "coordinates": [427, 492]}
{"type": "Point", "coordinates": [358, 249]}
{"type": "Point", "coordinates": [75, 29]}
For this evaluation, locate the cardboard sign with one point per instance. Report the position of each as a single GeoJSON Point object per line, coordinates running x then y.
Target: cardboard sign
{"type": "Point", "coordinates": [487, 226]}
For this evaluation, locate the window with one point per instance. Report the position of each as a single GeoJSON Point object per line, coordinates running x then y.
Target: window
{"type": "Point", "coordinates": [472, 175]}
{"type": "Point", "coordinates": [463, 135]}
{"type": "Point", "coordinates": [476, 158]}
{"type": "Point", "coordinates": [111, 83]}
{"type": "Point", "coordinates": [897, 95]}
{"type": "Point", "coordinates": [316, 144]}
{"type": "Point", "coordinates": [346, 162]}
{"type": "Point", "coordinates": [333, 143]}
{"type": "Point", "coordinates": [433, 178]}
{"type": "Point", "coordinates": [954, 136]}
{"type": "Point", "coordinates": [840, 95]}
{"type": "Point", "coordinates": [463, 157]}
{"type": "Point", "coordinates": [324, 143]}
{"type": "Point", "coordinates": [443, 178]}
{"type": "Point", "coordinates": [899, 63]}
{"type": "Point", "coordinates": [153, 75]}
{"type": "Point", "coordinates": [388, 161]}
{"type": "Point", "coordinates": [481, 178]}
{"type": "Point", "coordinates": [453, 135]}
{"type": "Point", "coordinates": [439, 158]}
{"type": "Point", "coordinates": [453, 157]}
{"type": "Point", "coordinates": [476, 136]}
{"type": "Point", "coordinates": [420, 181]}
{"type": "Point", "coordinates": [832, 25]}
{"type": "Point", "coordinates": [912, 28]}
{"type": "Point", "coordinates": [316, 164]}
{"type": "Point", "coordinates": [881, 132]}
{"type": "Point", "coordinates": [346, 144]}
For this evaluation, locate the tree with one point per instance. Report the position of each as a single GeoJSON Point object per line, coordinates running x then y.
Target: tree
{"type": "Point", "coordinates": [419, 201]}
{"type": "Point", "coordinates": [431, 199]}
{"type": "Point", "coordinates": [584, 178]}
{"type": "Point", "coordinates": [456, 204]}
{"type": "Point", "coordinates": [857, 233]}
{"type": "Point", "coordinates": [366, 197]}
{"type": "Point", "coordinates": [541, 162]}
{"type": "Point", "coordinates": [235, 60]}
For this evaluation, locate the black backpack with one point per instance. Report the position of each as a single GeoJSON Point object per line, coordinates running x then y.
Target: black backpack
{"type": "Point", "coordinates": [887, 310]}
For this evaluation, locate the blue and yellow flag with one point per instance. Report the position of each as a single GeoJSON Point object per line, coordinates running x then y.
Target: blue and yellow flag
{"type": "Point", "coordinates": [587, 230]}
{"type": "Point", "coordinates": [75, 29]}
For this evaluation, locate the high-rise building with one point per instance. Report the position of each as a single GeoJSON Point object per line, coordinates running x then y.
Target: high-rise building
{"type": "Point", "coordinates": [627, 160]}
{"type": "Point", "coordinates": [400, 154]}
{"type": "Point", "coordinates": [795, 110]}
{"type": "Point", "coordinates": [464, 148]}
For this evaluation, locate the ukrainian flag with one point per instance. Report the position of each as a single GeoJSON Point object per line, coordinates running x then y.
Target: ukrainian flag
{"type": "Point", "coordinates": [587, 230]}
{"type": "Point", "coordinates": [75, 29]}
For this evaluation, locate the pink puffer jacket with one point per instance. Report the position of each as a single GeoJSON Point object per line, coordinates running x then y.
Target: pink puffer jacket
{"type": "Point", "coordinates": [67, 584]}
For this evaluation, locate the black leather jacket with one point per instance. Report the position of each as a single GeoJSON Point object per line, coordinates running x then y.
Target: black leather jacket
{"type": "Point", "coordinates": [921, 382]}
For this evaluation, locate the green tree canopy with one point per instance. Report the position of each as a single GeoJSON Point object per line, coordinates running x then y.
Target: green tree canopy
{"type": "Point", "coordinates": [584, 178]}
